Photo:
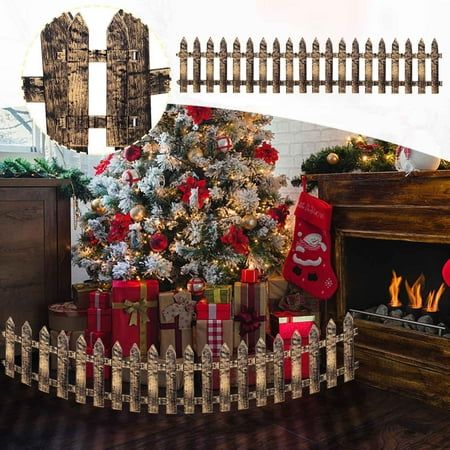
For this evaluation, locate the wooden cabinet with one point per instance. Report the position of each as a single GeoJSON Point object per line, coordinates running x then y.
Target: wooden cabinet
{"type": "Point", "coordinates": [34, 249]}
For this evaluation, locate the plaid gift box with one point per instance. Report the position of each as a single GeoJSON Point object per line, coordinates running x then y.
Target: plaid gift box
{"type": "Point", "coordinates": [213, 332]}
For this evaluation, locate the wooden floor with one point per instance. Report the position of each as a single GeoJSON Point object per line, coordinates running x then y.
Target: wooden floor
{"type": "Point", "coordinates": [352, 416]}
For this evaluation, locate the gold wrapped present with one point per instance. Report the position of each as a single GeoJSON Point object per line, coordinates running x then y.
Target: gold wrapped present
{"type": "Point", "coordinates": [218, 293]}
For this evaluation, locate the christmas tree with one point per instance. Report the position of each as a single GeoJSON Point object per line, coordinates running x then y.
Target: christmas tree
{"type": "Point", "coordinates": [196, 196]}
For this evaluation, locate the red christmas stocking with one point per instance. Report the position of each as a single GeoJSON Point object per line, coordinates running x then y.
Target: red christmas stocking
{"type": "Point", "coordinates": [308, 263]}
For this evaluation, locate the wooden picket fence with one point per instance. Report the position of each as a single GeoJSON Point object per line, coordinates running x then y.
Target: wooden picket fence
{"type": "Point", "coordinates": [150, 394]}
{"type": "Point", "coordinates": [64, 84]}
{"type": "Point", "coordinates": [306, 64]}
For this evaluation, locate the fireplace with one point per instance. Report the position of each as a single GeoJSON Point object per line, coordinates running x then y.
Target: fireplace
{"type": "Point", "coordinates": [389, 228]}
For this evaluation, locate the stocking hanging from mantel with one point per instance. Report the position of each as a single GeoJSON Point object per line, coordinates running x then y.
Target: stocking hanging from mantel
{"type": "Point", "coordinates": [308, 264]}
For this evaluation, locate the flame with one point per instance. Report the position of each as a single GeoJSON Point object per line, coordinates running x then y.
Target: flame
{"type": "Point", "coordinates": [433, 298]}
{"type": "Point", "coordinates": [394, 289]}
{"type": "Point", "coordinates": [414, 292]}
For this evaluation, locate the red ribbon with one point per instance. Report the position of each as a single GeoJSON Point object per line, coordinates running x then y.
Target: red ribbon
{"type": "Point", "coordinates": [249, 319]}
{"type": "Point", "coordinates": [178, 341]}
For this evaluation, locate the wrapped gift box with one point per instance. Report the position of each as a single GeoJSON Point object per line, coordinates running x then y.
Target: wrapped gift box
{"type": "Point", "coordinates": [90, 366]}
{"type": "Point", "coordinates": [73, 337]}
{"type": "Point", "coordinates": [250, 313]}
{"type": "Point", "coordinates": [277, 288]}
{"type": "Point", "coordinates": [100, 299]}
{"type": "Point", "coordinates": [213, 332]}
{"type": "Point", "coordinates": [135, 314]}
{"type": "Point", "coordinates": [218, 293]}
{"type": "Point", "coordinates": [99, 320]}
{"type": "Point", "coordinates": [81, 293]}
{"type": "Point", "coordinates": [220, 311]}
{"type": "Point", "coordinates": [286, 322]}
{"type": "Point", "coordinates": [67, 317]}
{"type": "Point", "coordinates": [92, 336]}
{"type": "Point", "coordinates": [176, 314]}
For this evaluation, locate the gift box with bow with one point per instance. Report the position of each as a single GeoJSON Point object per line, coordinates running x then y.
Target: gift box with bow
{"type": "Point", "coordinates": [176, 313]}
{"type": "Point", "coordinates": [99, 320]}
{"type": "Point", "coordinates": [81, 292]}
{"type": "Point", "coordinates": [250, 309]}
{"type": "Point", "coordinates": [218, 294]}
{"type": "Point", "coordinates": [100, 299]}
{"type": "Point", "coordinates": [286, 322]}
{"type": "Point", "coordinates": [135, 314]}
{"type": "Point", "coordinates": [205, 311]}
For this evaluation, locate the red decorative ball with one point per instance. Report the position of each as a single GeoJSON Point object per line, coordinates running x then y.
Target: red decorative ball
{"type": "Point", "coordinates": [158, 242]}
{"type": "Point", "coordinates": [196, 286]}
{"type": "Point", "coordinates": [132, 152]}
{"type": "Point", "coordinates": [224, 143]}
{"type": "Point", "coordinates": [130, 176]}
{"type": "Point", "coordinates": [446, 272]}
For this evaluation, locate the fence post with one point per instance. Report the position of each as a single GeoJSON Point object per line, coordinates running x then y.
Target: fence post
{"type": "Point", "coordinates": [26, 354]}
{"type": "Point", "coordinates": [328, 66]}
{"type": "Point", "coordinates": [408, 67]}
{"type": "Point", "coordinates": [210, 66]}
{"type": "Point", "coordinates": [236, 66]}
{"type": "Point", "coordinates": [421, 67]}
{"type": "Point", "coordinates": [381, 67]}
{"type": "Point", "coordinates": [315, 55]}
{"type": "Point", "coordinates": [77, 79]}
{"type": "Point", "coordinates": [196, 65]}
{"type": "Point", "coordinates": [135, 379]}
{"type": "Point", "coordinates": [171, 380]}
{"type": "Point", "coordinates": [276, 66]}
{"type": "Point", "coordinates": [224, 370]}
{"type": "Point", "coordinates": [278, 369]}
{"type": "Point", "coordinates": [289, 67]}
{"type": "Point", "coordinates": [99, 374]}
{"type": "Point", "coordinates": [44, 369]}
{"type": "Point", "coordinates": [342, 63]}
{"type": "Point", "coordinates": [355, 67]}
{"type": "Point", "coordinates": [242, 362]}
{"type": "Point", "coordinates": [349, 355]}
{"type": "Point", "coordinates": [395, 57]}
{"type": "Point", "coordinates": [368, 66]}
{"type": "Point", "coordinates": [188, 374]}
{"type": "Point", "coordinates": [296, 361]}
{"type": "Point", "coordinates": [207, 374]}
{"type": "Point", "coordinates": [434, 67]}
{"type": "Point", "coordinates": [223, 69]}
{"type": "Point", "coordinates": [10, 347]}
{"type": "Point", "coordinates": [116, 376]}
{"type": "Point", "coordinates": [250, 64]}
{"type": "Point", "coordinates": [183, 55]}
{"type": "Point", "coordinates": [314, 360]}
{"type": "Point", "coordinates": [63, 366]}
{"type": "Point", "coordinates": [331, 355]}
{"type": "Point", "coordinates": [80, 370]}
{"type": "Point", "coordinates": [260, 363]}
{"type": "Point", "coordinates": [263, 66]}
{"type": "Point", "coordinates": [302, 66]}
{"type": "Point", "coordinates": [152, 380]}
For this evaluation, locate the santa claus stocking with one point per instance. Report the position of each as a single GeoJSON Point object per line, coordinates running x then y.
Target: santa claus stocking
{"type": "Point", "coordinates": [308, 263]}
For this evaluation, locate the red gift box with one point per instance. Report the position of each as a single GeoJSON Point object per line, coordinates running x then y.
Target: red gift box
{"type": "Point", "coordinates": [135, 318]}
{"type": "Point", "coordinates": [90, 366]}
{"type": "Point", "coordinates": [99, 320]}
{"type": "Point", "coordinates": [100, 299]}
{"type": "Point", "coordinates": [213, 311]}
{"type": "Point", "coordinates": [286, 322]}
{"type": "Point", "coordinates": [92, 336]}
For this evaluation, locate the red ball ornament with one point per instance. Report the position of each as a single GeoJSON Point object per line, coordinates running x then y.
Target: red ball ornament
{"type": "Point", "coordinates": [224, 143]}
{"type": "Point", "coordinates": [132, 152]}
{"type": "Point", "coordinates": [158, 242]}
{"type": "Point", "coordinates": [446, 272]}
{"type": "Point", "coordinates": [196, 286]}
{"type": "Point", "coordinates": [130, 176]}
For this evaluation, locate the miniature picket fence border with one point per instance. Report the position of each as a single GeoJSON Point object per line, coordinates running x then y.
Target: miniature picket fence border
{"type": "Point", "coordinates": [309, 64]}
{"type": "Point", "coordinates": [154, 365]}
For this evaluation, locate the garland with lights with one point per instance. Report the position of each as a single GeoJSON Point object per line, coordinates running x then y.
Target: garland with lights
{"type": "Point", "coordinates": [195, 197]}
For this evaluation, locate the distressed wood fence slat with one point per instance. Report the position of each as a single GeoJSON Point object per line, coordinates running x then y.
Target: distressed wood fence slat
{"type": "Point", "coordinates": [381, 67]}
{"type": "Point", "coordinates": [434, 67]}
{"type": "Point", "coordinates": [152, 380]}
{"type": "Point", "coordinates": [26, 354]}
{"type": "Point", "coordinates": [342, 69]}
{"type": "Point", "coordinates": [315, 71]}
{"type": "Point", "coordinates": [171, 380]}
{"type": "Point", "coordinates": [395, 70]}
{"type": "Point", "coordinates": [196, 68]}
{"type": "Point", "coordinates": [135, 379]}
{"type": "Point", "coordinates": [349, 355]}
{"type": "Point", "coordinates": [302, 66]}
{"type": "Point", "coordinates": [289, 67]}
{"type": "Point", "coordinates": [421, 67]}
{"type": "Point", "coordinates": [249, 67]}
{"type": "Point", "coordinates": [183, 56]}
{"type": "Point", "coordinates": [44, 367]}
{"type": "Point", "coordinates": [328, 66]}
{"type": "Point", "coordinates": [263, 66]}
{"type": "Point", "coordinates": [355, 66]}
{"type": "Point", "coordinates": [314, 360]}
{"type": "Point", "coordinates": [116, 377]}
{"type": "Point", "coordinates": [408, 67]}
{"type": "Point", "coordinates": [224, 373]}
{"type": "Point", "coordinates": [260, 363]}
{"type": "Point", "coordinates": [210, 66]}
{"type": "Point", "coordinates": [331, 355]}
{"type": "Point", "coordinates": [188, 371]}
{"type": "Point", "coordinates": [99, 374]}
{"type": "Point", "coordinates": [296, 361]}
{"type": "Point", "coordinates": [368, 66]}
{"type": "Point", "coordinates": [276, 66]}
{"type": "Point", "coordinates": [62, 366]}
{"type": "Point", "coordinates": [236, 66]}
{"type": "Point", "coordinates": [223, 68]}
{"type": "Point", "coordinates": [80, 370]}
{"type": "Point", "coordinates": [278, 369]}
{"type": "Point", "coordinates": [242, 356]}
{"type": "Point", "coordinates": [207, 374]}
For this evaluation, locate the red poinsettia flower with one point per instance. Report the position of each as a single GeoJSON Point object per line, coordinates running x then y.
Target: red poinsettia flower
{"type": "Point", "coordinates": [103, 164]}
{"type": "Point", "coordinates": [365, 147]}
{"type": "Point", "coordinates": [199, 113]}
{"type": "Point", "coordinates": [132, 152]}
{"type": "Point", "coordinates": [237, 239]}
{"type": "Point", "coordinates": [279, 214]}
{"type": "Point", "coordinates": [267, 153]}
{"type": "Point", "coordinates": [90, 236]}
{"type": "Point", "coordinates": [193, 183]}
{"type": "Point", "coordinates": [119, 228]}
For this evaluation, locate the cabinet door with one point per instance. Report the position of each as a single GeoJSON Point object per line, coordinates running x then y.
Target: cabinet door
{"type": "Point", "coordinates": [28, 254]}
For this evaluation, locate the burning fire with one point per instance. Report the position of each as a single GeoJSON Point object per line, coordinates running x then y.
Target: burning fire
{"type": "Point", "coordinates": [415, 292]}
{"type": "Point", "coordinates": [394, 289]}
{"type": "Point", "coordinates": [432, 304]}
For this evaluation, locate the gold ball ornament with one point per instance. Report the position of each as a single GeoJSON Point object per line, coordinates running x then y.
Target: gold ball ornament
{"type": "Point", "coordinates": [332, 158]}
{"type": "Point", "coordinates": [194, 153]}
{"type": "Point", "coordinates": [97, 206]}
{"type": "Point", "coordinates": [138, 213]}
{"type": "Point", "coordinates": [249, 221]}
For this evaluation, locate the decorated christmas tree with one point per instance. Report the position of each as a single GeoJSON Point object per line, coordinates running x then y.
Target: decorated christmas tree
{"type": "Point", "coordinates": [195, 197]}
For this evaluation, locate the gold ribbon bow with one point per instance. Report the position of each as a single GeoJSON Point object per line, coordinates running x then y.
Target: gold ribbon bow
{"type": "Point", "coordinates": [133, 308]}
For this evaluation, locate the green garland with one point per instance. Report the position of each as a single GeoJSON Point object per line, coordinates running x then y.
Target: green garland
{"type": "Point", "coordinates": [41, 168]}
